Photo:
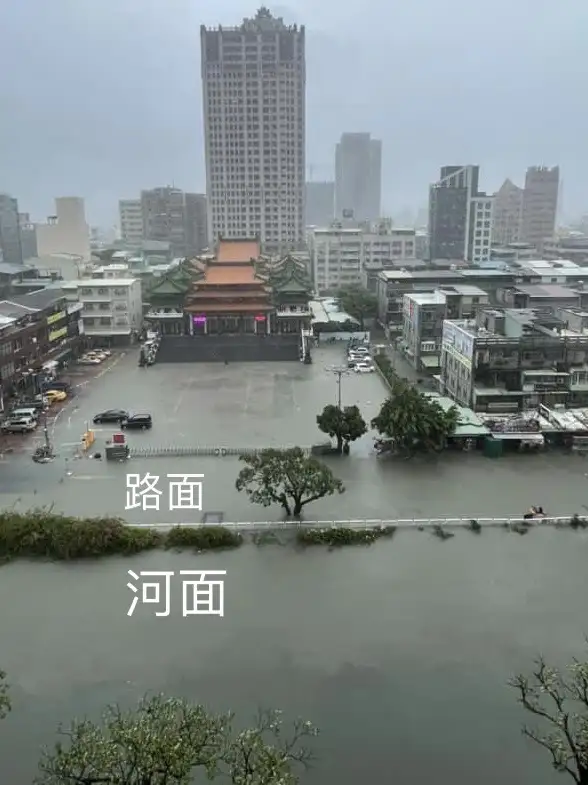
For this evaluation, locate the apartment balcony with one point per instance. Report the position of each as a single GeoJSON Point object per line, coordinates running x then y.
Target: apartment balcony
{"type": "Point", "coordinates": [545, 380]}
{"type": "Point", "coordinates": [107, 329]}
{"type": "Point", "coordinates": [106, 297]}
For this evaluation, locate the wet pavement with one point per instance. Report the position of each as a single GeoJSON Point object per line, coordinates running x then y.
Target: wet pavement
{"type": "Point", "coordinates": [271, 404]}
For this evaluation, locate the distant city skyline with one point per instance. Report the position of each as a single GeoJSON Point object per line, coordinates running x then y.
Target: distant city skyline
{"type": "Point", "coordinates": [347, 56]}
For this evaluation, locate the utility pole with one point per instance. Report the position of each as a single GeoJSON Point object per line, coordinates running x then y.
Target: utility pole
{"type": "Point", "coordinates": [339, 373]}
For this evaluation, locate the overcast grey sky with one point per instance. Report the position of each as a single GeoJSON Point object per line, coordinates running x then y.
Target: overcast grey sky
{"type": "Point", "coordinates": [100, 98]}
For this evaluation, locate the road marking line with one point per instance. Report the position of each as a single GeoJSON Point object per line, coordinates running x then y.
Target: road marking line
{"type": "Point", "coordinates": [88, 477]}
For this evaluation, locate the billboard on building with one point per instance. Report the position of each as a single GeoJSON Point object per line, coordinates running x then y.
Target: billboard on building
{"type": "Point", "coordinates": [458, 343]}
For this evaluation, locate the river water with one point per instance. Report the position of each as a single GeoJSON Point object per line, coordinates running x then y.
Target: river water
{"type": "Point", "coordinates": [400, 652]}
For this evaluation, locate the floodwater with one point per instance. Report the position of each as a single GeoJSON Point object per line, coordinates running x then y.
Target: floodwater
{"type": "Point", "coordinates": [400, 652]}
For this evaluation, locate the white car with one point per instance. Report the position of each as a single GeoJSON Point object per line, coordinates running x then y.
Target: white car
{"type": "Point", "coordinates": [364, 367]}
{"type": "Point", "coordinates": [20, 425]}
{"type": "Point", "coordinates": [89, 361]}
{"type": "Point", "coordinates": [358, 350]}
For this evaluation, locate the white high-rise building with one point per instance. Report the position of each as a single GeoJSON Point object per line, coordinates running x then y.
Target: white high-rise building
{"type": "Point", "coordinates": [66, 232]}
{"type": "Point", "coordinates": [131, 221]}
{"type": "Point", "coordinates": [254, 127]}
{"type": "Point", "coordinates": [358, 177]}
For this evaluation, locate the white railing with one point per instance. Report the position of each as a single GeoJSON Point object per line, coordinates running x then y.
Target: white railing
{"type": "Point", "coordinates": [376, 523]}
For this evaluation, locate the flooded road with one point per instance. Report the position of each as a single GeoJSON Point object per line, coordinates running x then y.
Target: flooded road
{"type": "Point", "coordinates": [399, 652]}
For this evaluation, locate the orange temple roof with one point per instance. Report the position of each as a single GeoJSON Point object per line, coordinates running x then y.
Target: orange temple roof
{"type": "Point", "coordinates": [231, 251]}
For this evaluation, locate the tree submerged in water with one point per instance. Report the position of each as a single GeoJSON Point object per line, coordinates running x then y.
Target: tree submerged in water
{"type": "Point", "coordinates": [290, 478]}
{"type": "Point", "coordinates": [168, 741]}
{"type": "Point", "coordinates": [411, 422]}
{"type": "Point", "coordinates": [560, 700]}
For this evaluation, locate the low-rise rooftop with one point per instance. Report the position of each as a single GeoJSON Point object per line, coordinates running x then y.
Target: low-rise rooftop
{"type": "Point", "coordinates": [427, 298]}
{"type": "Point", "coordinates": [87, 282]}
{"type": "Point", "coordinates": [326, 309]}
{"type": "Point", "coordinates": [465, 290]}
{"type": "Point", "coordinates": [548, 291]}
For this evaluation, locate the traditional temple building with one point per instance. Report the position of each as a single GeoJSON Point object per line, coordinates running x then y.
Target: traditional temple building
{"type": "Point", "coordinates": [237, 291]}
{"type": "Point", "coordinates": [227, 294]}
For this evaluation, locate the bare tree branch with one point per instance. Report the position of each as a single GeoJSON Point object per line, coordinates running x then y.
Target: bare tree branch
{"type": "Point", "coordinates": [561, 704]}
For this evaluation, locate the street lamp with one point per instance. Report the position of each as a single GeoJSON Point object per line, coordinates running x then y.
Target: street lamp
{"type": "Point", "coordinates": [339, 373]}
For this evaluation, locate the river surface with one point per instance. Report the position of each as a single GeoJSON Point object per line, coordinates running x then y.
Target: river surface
{"type": "Point", "coordinates": [400, 652]}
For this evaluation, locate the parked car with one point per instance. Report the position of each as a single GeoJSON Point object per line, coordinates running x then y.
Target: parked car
{"type": "Point", "coordinates": [19, 425]}
{"type": "Point", "coordinates": [24, 411]}
{"type": "Point", "coordinates": [359, 358]}
{"type": "Point", "coordinates": [137, 421]}
{"type": "Point", "coordinates": [364, 367]}
{"type": "Point", "coordinates": [111, 416]}
{"type": "Point", "coordinates": [55, 396]}
{"type": "Point", "coordinates": [105, 352]}
{"type": "Point", "coordinates": [38, 403]}
{"type": "Point", "coordinates": [55, 385]}
{"type": "Point", "coordinates": [358, 350]}
{"type": "Point", "coordinates": [89, 360]}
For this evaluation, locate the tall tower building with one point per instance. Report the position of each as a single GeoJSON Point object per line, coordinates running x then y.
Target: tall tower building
{"type": "Point", "coordinates": [163, 217]}
{"type": "Point", "coordinates": [460, 216]}
{"type": "Point", "coordinates": [540, 204]}
{"type": "Point", "coordinates": [195, 218]}
{"type": "Point", "coordinates": [320, 203]}
{"type": "Point", "coordinates": [10, 237]}
{"type": "Point", "coordinates": [358, 177]}
{"type": "Point", "coordinates": [508, 214]}
{"type": "Point", "coordinates": [254, 82]}
{"type": "Point", "coordinates": [131, 222]}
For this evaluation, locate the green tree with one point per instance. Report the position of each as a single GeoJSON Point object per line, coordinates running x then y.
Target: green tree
{"type": "Point", "coordinates": [560, 700]}
{"type": "Point", "coordinates": [359, 303]}
{"type": "Point", "coordinates": [286, 477]}
{"type": "Point", "coordinates": [413, 422]}
{"type": "Point", "coordinates": [164, 741]}
{"type": "Point", "coordinates": [5, 704]}
{"type": "Point", "coordinates": [346, 425]}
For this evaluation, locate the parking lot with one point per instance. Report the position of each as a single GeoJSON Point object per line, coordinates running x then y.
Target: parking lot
{"type": "Point", "coordinates": [213, 405]}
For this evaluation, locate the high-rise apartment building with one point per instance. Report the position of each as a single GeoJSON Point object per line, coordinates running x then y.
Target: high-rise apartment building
{"type": "Point", "coordinates": [320, 203]}
{"type": "Point", "coordinates": [196, 223]}
{"type": "Point", "coordinates": [358, 177]}
{"type": "Point", "coordinates": [10, 239]}
{"type": "Point", "coordinates": [28, 236]}
{"type": "Point", "coordinates": [343, 256]}
{"type": "Point", "coordinates": [163, 217]}
{"type": "Point", "coordinates": [166, 215]}
{"type": "Point", "coordinates": [254, 127]}
{"type": "Point", "coordinates": [460, 216]}
{"type": "Point", "coordinates": [65, 232]}
{"type": "Point", "coordinates": [540, 204]}
{"type": "Point", "coordinates": [131, 222]}
{"type": "Point", "coordinates": [508, 214]}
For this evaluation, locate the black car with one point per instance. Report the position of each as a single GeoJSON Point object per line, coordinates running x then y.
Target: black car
{"type": "Point", "coordinates": [137, 421]}
{"type": "Point", "coordinates": [111, 415]}
{"type": "Point", "coordinates": [56, 385]}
